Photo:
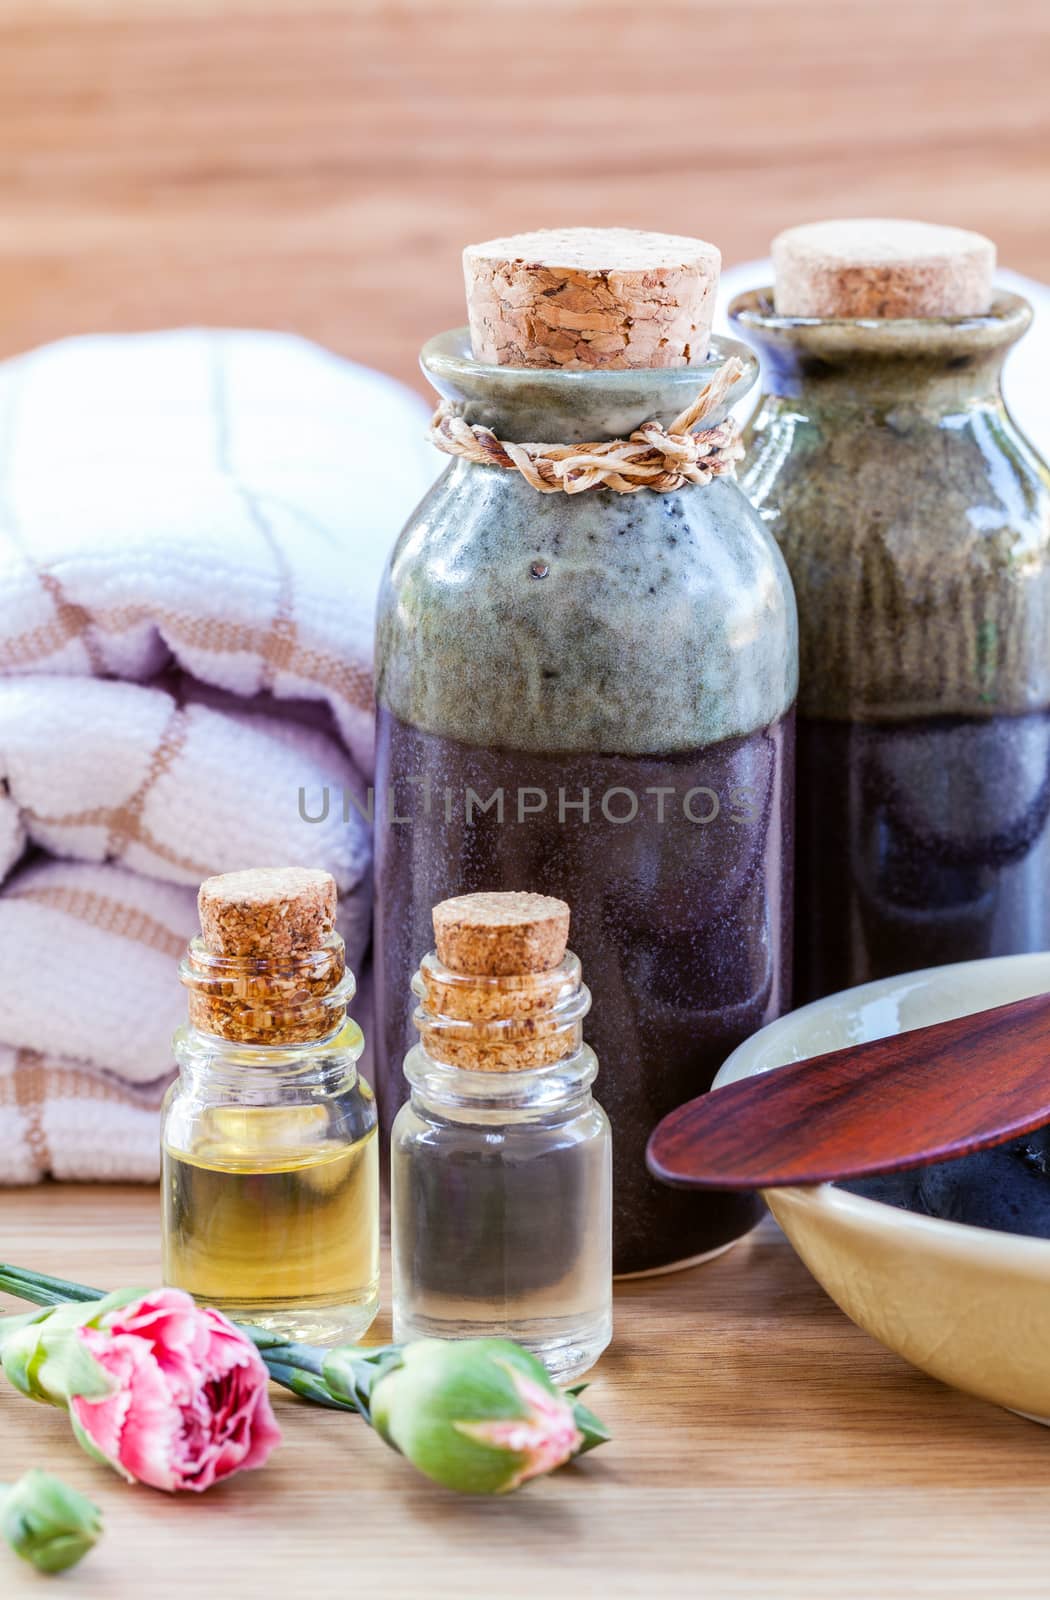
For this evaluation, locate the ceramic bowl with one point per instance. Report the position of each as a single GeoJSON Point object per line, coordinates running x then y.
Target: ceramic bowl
{"type": "Point", "coordinates": [968, 1305]}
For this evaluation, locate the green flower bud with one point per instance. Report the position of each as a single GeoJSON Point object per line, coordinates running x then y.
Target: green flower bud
{"type": "Point", "coordinates": [47, 1523]}
{"type": "Point", "coordinates": [477, 1415]}
{"type": "Point", "coordinates": [44, 1357]}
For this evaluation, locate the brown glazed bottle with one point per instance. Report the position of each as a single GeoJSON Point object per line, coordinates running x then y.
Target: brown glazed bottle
{"type": "Point", "coordinates": [590, 696]}
{"type": "Point", "coordinates": [915, 520]}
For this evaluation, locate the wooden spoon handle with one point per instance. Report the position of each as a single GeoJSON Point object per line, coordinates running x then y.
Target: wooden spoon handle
{"type": "Point", "coordinates": [909, 1100]}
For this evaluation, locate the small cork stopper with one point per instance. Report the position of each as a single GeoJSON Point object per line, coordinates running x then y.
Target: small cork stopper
{"type": "Point", "coordinates": [591, 297]}
{"type": "Point", "coordinates": [521, 995]}
{"type": "Point", "coordinates": [268, 968]}
{"type": "Point", "coordinates": [877, 268]}
{"type": "Point", "coordinates": [513, 1024]}
{"type": "Point", "coordinates": [501, 934]}
{"type": "Point", "coordinates": [534, 1044]}
{"type": "Point", "coordinates": [267, 911]}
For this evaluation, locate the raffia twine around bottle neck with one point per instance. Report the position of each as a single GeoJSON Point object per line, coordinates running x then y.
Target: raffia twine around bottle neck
{"type": "Point", "coordinates": [653, 457]}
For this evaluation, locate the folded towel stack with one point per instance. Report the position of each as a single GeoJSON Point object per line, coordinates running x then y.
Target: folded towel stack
{"type": "Point", "coordinates": [192, 531]}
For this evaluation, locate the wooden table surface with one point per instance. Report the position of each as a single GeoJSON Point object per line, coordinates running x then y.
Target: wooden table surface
{"type": "Point", "coordinates": [318, 164]}
{"type": "Point", "coordinates": [764, 1448]}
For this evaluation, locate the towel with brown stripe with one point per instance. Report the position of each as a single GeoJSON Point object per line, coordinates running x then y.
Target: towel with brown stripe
{"type": "Point", "coordinates": [188, 569]}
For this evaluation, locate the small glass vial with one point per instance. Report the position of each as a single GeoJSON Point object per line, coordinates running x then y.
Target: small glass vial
{"type": "Point", "coordinates": [270, 1177]}
{"type": "Point", "coordinates": [501, 1162]}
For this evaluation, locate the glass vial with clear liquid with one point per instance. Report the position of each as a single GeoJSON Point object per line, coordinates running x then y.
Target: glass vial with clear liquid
{"type": "Point", "coordinates": [270, 1177]}
{"type": "Point", "coordinates": [501, 1160]}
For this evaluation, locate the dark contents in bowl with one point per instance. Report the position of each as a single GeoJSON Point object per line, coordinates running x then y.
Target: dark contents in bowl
{"type": "Point", "coordinates": [1007, 1189]}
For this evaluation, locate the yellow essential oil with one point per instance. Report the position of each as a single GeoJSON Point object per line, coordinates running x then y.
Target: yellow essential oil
{"type": "Point", "coordinates": [273, 1225]}
{"type": "Point", "coordinates": [270, 1171]}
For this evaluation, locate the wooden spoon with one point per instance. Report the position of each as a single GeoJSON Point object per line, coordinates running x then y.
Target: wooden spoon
{"type": "Point", "coordinates": [906, 1101]}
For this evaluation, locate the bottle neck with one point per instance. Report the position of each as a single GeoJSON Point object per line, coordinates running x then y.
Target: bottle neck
{"type": "Point", "coordinates": [573, 407]}
{"type": "Point", "coordinates": [261, 1073]}
{"type": "Point", "coordinates": [493, 1048]}
{"type": "Point", "coordinates": [454, 1094]}
{"type": "Point", "coordinates": [258, 1000]}
{"type": "Point", "coordinates": [500, 1025]}
{"type": "Point", "coordinates": [936, 363]}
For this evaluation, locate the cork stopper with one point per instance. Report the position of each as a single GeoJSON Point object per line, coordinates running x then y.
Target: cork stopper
{"type": "Point", "coordinates": [501, 993]}
{"type": "Point", "coordinates": [267, 911]}
{"type": "Point", "coordinates": [877, 268]}
{"type": "Point", "coordinates": [591, 297]}
{"type": "Point", "coordinates": [269, 967]}
{"type": "Point", "coordinates": [501, 934]}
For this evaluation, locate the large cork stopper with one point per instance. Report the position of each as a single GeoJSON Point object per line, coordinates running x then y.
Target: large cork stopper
{"type": "Point", "coordinates": [877, 268]}
{"type": "Point", "coordinates": [269, 967]}
{"type": "Point", "coordinates": [267, 911]}
{"type": "Point", "coordinates": [498, 935]}
{"type": "Point", "coordinates": [591, 297]}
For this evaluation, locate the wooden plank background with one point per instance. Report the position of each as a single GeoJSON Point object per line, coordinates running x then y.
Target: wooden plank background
{"type": "Point", "coordinates": [317, 164]}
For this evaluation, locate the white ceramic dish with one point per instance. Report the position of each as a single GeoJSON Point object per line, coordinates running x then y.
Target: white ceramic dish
{"type": "Point", "coordinates": [968, 1305]}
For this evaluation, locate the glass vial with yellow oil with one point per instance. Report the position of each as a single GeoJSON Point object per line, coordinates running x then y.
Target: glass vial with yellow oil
{"type": "Point", "coordinates": [501, 1159]}
{"type": "Point", "coordinates": [270, 1174]}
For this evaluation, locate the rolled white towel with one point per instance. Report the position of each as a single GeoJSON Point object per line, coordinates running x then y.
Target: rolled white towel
{"type": "Point", "coordinates": [193, 526]}
{"type": "Point", "coordinates": [99, 770]}
{"type": "Point", "coordinates": [62, 1120]}
{"type": "Point", "coordinates": [218, 501]}
{"type": "Point", "coordinates": [89, 958]}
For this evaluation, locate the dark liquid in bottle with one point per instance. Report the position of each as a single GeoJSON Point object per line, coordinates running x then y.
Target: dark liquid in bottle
{"type": "Point", "coordinates": [681, 904]}
{"type": "Point", "coordinates": [919, 843]}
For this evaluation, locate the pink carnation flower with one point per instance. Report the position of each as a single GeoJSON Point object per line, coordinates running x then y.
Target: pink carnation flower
{"type": "Point", "coordinates": [189, 1402]}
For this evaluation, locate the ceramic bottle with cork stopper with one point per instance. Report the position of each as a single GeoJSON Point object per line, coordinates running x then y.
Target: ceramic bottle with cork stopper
{"type": "Point", "coordinates": [501, 1167]}
{"type": "Point", "coordinates": [270, 1176]}
{"type": "Point", "coordinates": [586, 671]}
{"type": "Point", "coordinates": [915, 519]}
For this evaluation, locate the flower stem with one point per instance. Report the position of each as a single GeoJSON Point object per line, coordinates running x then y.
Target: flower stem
{"type": "Point", "coordinates": [298, 1367]}
{"type": "Point", "coordinates": [43, 1290]}
{"type": "Point", "coordinates": [306, 1386]}
{"type": "Point", "coordinates": [275, 1346]}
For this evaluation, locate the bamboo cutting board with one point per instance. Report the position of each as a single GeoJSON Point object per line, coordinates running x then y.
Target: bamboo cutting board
{"type": "Point", "coordinates": [765, 1449]}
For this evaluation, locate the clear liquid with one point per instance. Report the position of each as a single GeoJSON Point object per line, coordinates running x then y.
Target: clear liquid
{"type": "Point", "coordinates": [504, 1230]}
{"type": "Point", "coordinates": [274, 1224]}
